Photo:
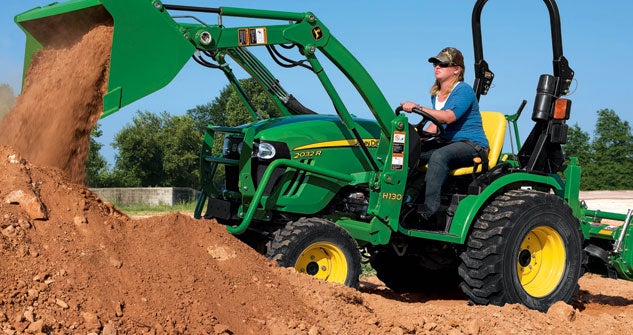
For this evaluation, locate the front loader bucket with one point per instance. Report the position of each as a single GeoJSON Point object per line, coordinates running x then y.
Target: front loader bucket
{"type": "Point", "coordinates": [148, 47]}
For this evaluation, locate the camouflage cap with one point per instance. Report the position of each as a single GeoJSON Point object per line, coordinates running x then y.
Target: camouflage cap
{"type": "Point", "coordinates": [449, 55]}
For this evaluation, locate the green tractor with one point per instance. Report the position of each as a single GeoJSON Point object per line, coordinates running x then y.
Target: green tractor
{"type": "Point", "coordinates": [320, 193]}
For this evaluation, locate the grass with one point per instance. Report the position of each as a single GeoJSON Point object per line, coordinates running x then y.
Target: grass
{"type": "Point", "coordinates": [139, 209]}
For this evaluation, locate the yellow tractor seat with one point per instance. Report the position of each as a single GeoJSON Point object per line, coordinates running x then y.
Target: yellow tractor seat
{"type": "Point", "coordinates": [495, 128]}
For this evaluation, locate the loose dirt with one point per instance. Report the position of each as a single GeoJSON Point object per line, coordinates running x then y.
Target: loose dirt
{"type": "Point", "coordinates": [73, 264]}
{"type": "Point", "coordinates": [60, 103]}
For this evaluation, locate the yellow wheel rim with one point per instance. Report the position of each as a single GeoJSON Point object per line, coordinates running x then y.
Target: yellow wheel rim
{"type": "Point", "coordinates": [323, 260]}
{"type": "Point", "coordinates": [541, 261]}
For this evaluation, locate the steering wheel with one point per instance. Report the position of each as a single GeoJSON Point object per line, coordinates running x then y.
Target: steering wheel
{"type": "Point", "coordinates": [426, 117]}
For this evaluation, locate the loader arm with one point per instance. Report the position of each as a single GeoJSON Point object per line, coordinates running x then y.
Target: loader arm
{"type": "Point", "coordinates": [309, 34]}
{"type": "Point", "coordinates": [149, 48]}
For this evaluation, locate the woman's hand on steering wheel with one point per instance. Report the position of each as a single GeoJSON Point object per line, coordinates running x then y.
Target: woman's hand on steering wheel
{"type": "Point", "coordinates": [426, 117]}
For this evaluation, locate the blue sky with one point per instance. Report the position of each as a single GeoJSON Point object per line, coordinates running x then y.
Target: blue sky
{"type": "Point", "coordinates": [394, 39]}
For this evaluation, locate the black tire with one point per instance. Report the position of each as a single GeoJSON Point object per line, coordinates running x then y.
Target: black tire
{"type": "Point", "coordinates": [525, 248]}
{"type": "Point", "coordinates": [409, 273]}
{"type": "Point", "coordinates": [319, 248]}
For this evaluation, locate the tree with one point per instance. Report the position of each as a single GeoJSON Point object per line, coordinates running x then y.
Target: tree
{"type": "Point", "coordinates": [612, 153]}
{"type": "Point", "coordinates": [579, 145]}
{"type": "Point", "coordinates": [229, 110]}
{"type": "Point", "coordinates": [608, 159]}
{"type": "Point", "coordinates": [212, 112]}
{"type": "Point", "coordinates": [96, 165]}
{"type": "Point", "coordinates": [181, 150]}
{"type": "Point", "coordinates": [118, 178]}
{"type": "Point", "coordinates": [158, 150]}
{"type": "Point", "coordinates": [7, 99]}
{"type": "Point", "coordinates": [139, 151]}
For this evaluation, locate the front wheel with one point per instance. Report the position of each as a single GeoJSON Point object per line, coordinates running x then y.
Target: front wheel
{"type": "Point", "coordinates": [525, 248]}
{"type": "Point", "coordinates": [319, 248]}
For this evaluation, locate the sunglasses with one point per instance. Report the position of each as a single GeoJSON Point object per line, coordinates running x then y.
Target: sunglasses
{"type": "Point", "coordinates": [444, 64]}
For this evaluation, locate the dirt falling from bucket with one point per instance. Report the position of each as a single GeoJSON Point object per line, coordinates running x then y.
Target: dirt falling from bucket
{"type": "Point", "coordinates": [61, 100]}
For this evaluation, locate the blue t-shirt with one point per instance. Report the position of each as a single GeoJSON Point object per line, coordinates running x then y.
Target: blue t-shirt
{"type": "Point", "coordinates": [468, 126]}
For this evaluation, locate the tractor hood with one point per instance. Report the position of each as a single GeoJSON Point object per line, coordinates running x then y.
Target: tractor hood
{"type": "Point", "coordinates": [312, 132]}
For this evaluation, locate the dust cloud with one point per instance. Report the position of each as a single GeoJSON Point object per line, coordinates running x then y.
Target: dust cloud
{"type": "Point", "coordinates": [61, 100]}
{"type": "Point", "coordinates": [7, 99]}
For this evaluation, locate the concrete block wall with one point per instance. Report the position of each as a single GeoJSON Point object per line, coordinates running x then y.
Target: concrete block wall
{"type": "Point", "coordinates": [152, 196]}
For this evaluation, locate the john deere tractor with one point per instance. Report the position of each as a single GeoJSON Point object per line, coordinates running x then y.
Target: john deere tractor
{"type": "Point", "coordinates": [320, 192]}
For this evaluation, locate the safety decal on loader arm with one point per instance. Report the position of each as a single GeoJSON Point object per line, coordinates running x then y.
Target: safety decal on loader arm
{"type": "Point", "coordinates": [252, 36]}
{"type": "Point", "coordinates": [397, 155]}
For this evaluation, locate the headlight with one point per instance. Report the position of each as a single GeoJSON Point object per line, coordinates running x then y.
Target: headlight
{"type": "Point", "coordinates": [232, 145]}
{"type": "Point", "coordinates": [266, 151]}
{"type": "Point", "coordinates": [225, 146]}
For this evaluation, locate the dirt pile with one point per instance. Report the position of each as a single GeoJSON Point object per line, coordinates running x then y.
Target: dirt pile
{"type": "Point", "coordinates": [71, 263]}
{"type": "Point", "coordinates": [61, 100]}
{"type": "Point", "coordinates": [74, 264]}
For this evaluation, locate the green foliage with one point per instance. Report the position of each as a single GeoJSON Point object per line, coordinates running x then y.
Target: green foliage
{"type": "Point", "coordinates": [181, 149]}
{"type": "Point", "coordinates": [228, 109]}
{"type": "Point", "coordinates": [139, 148]}
{"type": "Point", "coordinates": [211, 113]}
{"type": "Point", "coordinates": [117, 178]}
{"type": "Point", "coordinates": [367, 270]}
{"type": "Point", "coordinates": [158, 150]}
{"type": "Point", "coordinates": [578, 144]}
{"type": "Point", "coordinates": [97, 172]}
{"type": "Point", "coordinates": [96, 165]}
{"type": "Point", "coordinates": [608, 159]}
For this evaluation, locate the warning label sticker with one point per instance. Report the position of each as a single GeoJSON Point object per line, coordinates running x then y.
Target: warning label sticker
{"type": "Point", "coordinates": [252, 36]}
{"type": "Point", "coordinates": [397, 159]}
{"type": "Point", "coordinates": [397, 162]}
{"type": "Point", "coordinates": [398, 142]}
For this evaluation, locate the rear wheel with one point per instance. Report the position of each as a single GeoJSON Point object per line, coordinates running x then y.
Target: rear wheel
{"type": "Point", "coordinates": [319, 248]}
{"type": "Point", "coordinates": [526, 248]}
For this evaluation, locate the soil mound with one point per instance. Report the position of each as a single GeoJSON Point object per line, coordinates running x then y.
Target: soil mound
{"type": "Point", "coordinates": [74, 264]}
{"type": "Point", "coordinates": [61, 100]}
{"type": "Point", "coordinates": [71, 263]}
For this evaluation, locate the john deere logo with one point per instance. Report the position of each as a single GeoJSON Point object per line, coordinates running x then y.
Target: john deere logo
{"type": "Point", "coordinates": [317, 33]}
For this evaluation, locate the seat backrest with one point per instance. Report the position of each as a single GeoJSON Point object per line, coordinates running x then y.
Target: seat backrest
{"type": "Point", "coordinates": [495, 128]}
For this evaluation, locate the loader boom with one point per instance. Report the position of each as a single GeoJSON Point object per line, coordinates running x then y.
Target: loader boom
{"type": "Point", "coordinates": [153, 31]}
{"type": "Point", "coordinates": [149, 47]}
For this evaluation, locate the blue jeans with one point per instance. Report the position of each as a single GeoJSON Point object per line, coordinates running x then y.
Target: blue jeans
{"type": "Point", "coordinates": [442, 157]}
